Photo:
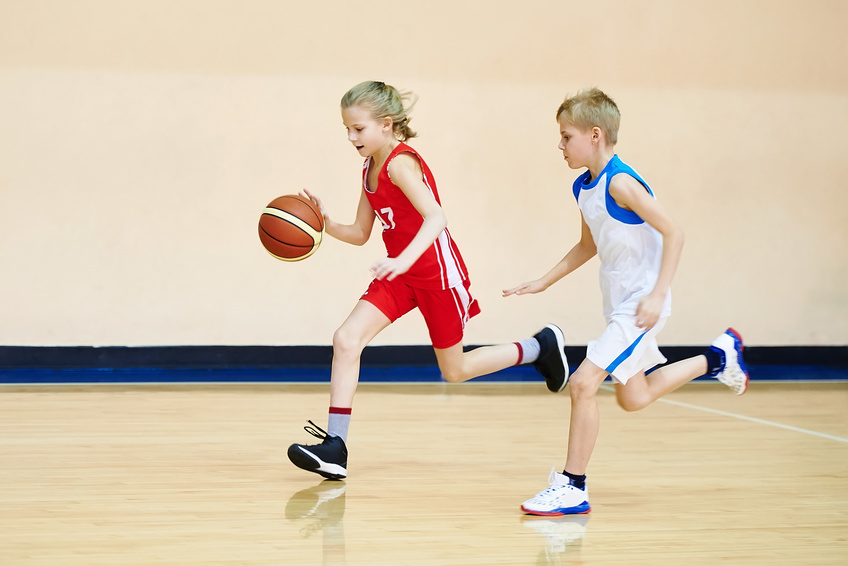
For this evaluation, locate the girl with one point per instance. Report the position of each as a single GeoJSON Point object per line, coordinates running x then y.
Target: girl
{"type": "Point", "coordinates": [423, 269]}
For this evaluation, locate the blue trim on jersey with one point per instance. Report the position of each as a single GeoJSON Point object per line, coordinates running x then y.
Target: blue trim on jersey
{"type": "Point", "coordinates": [613, 168]}
{"type": "Point", "coordinates": [580, 183]}
{"type": "Point", "coordinates": [625, 354]}
{"type": "Point", "coordinates": [621, 214]}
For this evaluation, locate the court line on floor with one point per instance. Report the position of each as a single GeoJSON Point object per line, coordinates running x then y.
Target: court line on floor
{"type": "Point", "coordinates": [747, 418]}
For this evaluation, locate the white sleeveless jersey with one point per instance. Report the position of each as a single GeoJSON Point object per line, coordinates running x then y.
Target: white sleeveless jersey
{"type": "Point", "coordinates": [629, 248]}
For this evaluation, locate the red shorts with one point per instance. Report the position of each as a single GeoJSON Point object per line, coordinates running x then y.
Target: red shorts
{"type": "Point", "coordinates": [445, 311]}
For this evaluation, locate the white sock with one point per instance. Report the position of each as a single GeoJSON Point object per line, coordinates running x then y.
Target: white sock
{"type": "Point", "coordinates": [528, 351]}
{"type": "Point", "coordinates": [338, 422]}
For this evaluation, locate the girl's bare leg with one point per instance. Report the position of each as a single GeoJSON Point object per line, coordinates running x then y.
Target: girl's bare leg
{"type": "Point", "coordinates": [360, 327]}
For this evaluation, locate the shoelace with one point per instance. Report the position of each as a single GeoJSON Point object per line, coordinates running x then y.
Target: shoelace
{"type": "Point", "coordinates": [551, 481]}
{"type": "Point", "coordinates": [315, 430]}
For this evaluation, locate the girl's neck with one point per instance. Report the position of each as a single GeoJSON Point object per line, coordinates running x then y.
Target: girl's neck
{"type": "Point", "coordinates": [379, 157]}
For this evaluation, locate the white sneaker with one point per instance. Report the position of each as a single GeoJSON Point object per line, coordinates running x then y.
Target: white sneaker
{"type": "Point", "coordinates": [734, 374]}
{"type": "Point", "coordinates": [562, 498]}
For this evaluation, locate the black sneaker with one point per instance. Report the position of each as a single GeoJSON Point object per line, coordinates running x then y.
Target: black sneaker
{"type": "Point", "coordinates": [328, 459]}
{"type": "Point", "coordinates": [552, 362]}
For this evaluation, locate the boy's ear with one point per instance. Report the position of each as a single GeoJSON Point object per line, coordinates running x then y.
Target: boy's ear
{"type": "Point", "coordinates": [596, 134]}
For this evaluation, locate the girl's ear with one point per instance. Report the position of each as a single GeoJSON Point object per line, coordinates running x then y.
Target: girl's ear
{"type": "Point", "coordinates": [388, 124]}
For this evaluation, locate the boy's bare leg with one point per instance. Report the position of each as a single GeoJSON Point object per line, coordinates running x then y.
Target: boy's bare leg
{"type": "Point", "coordinates": [585, 420]}
{"type": "Point", "coordinates": [641, 390]}
{"type": "Point", "coordinates": [568, 494]}
{"type": "Point", "coordinates": [360, 327]}
{"type": "Point", "coordinates": [457, 366]}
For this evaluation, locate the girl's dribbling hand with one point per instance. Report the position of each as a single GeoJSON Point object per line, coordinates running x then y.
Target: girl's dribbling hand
{"type": "Point", "coordinates": [317, 201]}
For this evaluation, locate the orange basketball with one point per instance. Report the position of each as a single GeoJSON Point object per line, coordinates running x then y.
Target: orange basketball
{"type": "Point", "coordinates": [291, 228]}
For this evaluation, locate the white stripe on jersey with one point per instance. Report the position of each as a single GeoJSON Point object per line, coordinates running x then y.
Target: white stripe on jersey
{"type": "Point", "coordinates": [451, 264]}
{"type": "Point", "coordinates": [451, 273]}
{"type": "Point", "coordinates": [463, 301]}
{"type": "Point", "coordinates": [453, 253]}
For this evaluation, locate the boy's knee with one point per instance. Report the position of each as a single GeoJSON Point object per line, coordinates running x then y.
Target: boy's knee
{"type": "Point", "coordinates": [580, 389]}
{"type": "Point", "coordinates": [630, 405]}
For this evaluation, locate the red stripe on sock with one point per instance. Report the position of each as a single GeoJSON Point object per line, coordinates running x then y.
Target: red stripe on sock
{"type": "Point", "coordinates": [520, 353]}
{"type": "Point", "coordinates": [340, 411]}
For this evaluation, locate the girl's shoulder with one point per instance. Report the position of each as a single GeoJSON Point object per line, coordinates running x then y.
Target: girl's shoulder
{"type": "Point", "coordinates": [403, 156]}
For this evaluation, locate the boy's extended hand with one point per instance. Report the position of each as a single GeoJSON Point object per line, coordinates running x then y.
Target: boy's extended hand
{"type": "Point", "coordinates": [526, 288]}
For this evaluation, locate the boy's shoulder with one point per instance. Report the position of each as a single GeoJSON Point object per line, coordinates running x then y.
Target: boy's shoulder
{"type": "Point", "coordinates": [622, 173]}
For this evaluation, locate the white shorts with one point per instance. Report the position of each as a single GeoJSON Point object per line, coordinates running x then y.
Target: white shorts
{"type": "Point", "coordinates": [624, 349]}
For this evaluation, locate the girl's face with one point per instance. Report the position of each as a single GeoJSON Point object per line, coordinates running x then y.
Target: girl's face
{"type": "Point", "coordinates": [577, 146]}
{"type": "Point", "coordinates": [367, 134]}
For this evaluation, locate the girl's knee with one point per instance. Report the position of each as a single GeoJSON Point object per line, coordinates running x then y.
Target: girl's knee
{"type": "Point", "coordinates": [452, 373]}
{"type": "Point", "coordinates": [453, 377]}
{"type": "Point", "coordinates": [346, 342]}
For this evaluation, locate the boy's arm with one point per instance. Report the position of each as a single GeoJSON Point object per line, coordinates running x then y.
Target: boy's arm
{"type": "Point", "coordinates": [583, 251]}
{"type": "Point", "coordinates": [630, 194]}
{"type": "Point", "coordinates": [356, 233]}
{"type": "Point", "coordinates": [405, 171]}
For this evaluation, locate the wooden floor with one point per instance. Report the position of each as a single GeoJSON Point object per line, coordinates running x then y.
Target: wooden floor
{"type": "Point", "coordinates": [197, 474]}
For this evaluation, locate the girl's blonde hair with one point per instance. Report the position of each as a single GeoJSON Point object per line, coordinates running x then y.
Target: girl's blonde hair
{"type": "Point", "coordinates": [590, 108]}
{"type": "Point", "coordinates": [384, 101]}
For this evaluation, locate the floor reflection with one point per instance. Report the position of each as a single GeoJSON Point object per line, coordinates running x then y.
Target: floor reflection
{"type": "Point", "coordinates": [321, 508]}
{"type": "Point", "coordinates": [563, 536]}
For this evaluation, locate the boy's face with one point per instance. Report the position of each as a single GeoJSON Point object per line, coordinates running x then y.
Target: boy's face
{"type": "Point", "coordinates": [578, 147]}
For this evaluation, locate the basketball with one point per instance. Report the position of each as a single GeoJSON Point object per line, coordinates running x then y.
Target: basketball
{"type": "Point", "coordinates": [291, 228]}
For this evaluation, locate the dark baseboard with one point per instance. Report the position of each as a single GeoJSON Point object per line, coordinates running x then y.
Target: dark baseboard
{"type": "Point", "coordinates": [270, 357]}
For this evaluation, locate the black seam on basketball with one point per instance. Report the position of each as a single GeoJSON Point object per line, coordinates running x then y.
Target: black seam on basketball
{"type": "Point", "coordinates": [318, 217]}
{"type": "Point", "coordinates": [286, 243]}
{"type": "Point", "coordinates": [289, 221]}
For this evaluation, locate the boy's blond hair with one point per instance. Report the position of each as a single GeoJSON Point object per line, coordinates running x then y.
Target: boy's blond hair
{"type": "Point", "coordinates": [590, 108]}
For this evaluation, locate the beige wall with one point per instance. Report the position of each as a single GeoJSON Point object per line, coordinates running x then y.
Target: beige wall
{"type": "Point", "coordinates": [139, 141]}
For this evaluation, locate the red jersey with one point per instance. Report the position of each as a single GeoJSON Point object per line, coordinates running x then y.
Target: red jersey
{"type": "Point", "coordinates": [441, 266]}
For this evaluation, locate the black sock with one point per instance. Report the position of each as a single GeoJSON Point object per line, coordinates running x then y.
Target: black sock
{"type": "Point", "coordinates": [577, 481]}
{"type": "Point", "coordinates": [715, 360]}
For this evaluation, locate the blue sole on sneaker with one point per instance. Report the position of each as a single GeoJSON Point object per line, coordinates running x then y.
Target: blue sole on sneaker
{"type": "Point", "coordinates": [577, 510]}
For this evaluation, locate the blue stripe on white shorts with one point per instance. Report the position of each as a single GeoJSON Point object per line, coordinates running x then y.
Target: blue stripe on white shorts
{"type": "Point", "coordinates": [624, 349]}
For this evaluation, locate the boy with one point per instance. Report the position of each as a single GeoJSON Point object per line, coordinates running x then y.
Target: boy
{"type": "Point", "coordinates": [639, 247]}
